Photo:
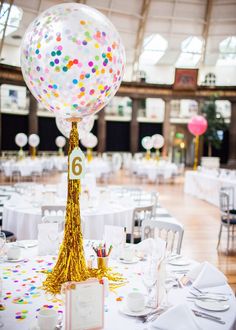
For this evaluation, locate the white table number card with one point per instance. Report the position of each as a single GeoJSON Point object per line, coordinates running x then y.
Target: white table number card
{"type": "Point", "coordinates": [76, 164]}
{"type": "Point", "coordinates": [84, 305]}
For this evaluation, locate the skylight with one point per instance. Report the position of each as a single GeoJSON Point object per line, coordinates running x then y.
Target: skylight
{"type": "Point", "coordinates": [13, 20]}
{"type": "Point", "coordinates": [154, 48]}
{"type": "Point", "coordinates": [191, 52]}
{"type": "Point", "coordinates": [227, 49]}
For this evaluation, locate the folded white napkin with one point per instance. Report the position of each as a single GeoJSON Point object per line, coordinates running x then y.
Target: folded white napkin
{"type": "Point", "coordinates": [206, 275]}
{"type": "Point", "coordinates": [178, 317]}
{"type": "Point", "coordinates": [151, 245]}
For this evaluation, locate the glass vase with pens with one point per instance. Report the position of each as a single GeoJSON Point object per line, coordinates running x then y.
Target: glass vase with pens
{"type": "Point", "coordinates": [102, 254]}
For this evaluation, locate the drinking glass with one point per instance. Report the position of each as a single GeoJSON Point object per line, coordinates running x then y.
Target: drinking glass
{"type": "Point", "coordinates": [2, 244]}
{"type": "Point", "coordinates": [168, 285]}
{"type": "Point", "coordinates": [149, 277]}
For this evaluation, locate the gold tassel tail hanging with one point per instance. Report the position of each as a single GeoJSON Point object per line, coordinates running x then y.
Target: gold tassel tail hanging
{"type": "Point", "coordinates": [71, 264]}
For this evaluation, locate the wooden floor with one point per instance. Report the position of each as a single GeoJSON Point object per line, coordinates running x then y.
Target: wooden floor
{"type": "Point", "coordinates": [201, 222]}
{"type": "Point", "coordinates": [200, 219]}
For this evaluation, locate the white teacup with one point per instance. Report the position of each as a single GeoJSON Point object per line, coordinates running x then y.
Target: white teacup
{"type": "Point", "coordinates": [128, 253]}
{"type": "Point", "coordinates": [47, 319]}
{"type": "Point", "coordinates": [135, 301]}
{"type": "Point", "coordinates": [13, 253]}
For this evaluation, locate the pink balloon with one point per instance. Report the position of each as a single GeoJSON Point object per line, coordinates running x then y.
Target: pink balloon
{"type": "Point", "coordinates": [197, 125]}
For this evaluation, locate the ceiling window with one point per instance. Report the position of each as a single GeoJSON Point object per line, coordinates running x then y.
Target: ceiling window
{"type": "Point", "coordinates": [191, 52]}
{"type": "Point", "coordinates": [227, 50]}
{"type": "Point", "coordinates": [154, 48]}
{"type": "Point", "coordinates": [14, 19]}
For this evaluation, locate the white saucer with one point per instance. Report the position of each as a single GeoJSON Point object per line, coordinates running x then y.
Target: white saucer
{"type": "Point", "coordinates": [27, 243]}
{"type": "Point", "coordinates": [14, 260]}
{"type": "Point", "coordinates": [133, 261]}
{"type": "Point", "coordinates": [179, 262]}
{"type": "Point", "coordinates": [214, 306]}
{"type": "Point", "coordinates": [125, 310]}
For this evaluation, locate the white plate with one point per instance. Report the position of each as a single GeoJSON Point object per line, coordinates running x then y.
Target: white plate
{"type": "Point", "coordinates": [214, 306]}
{"type": "Point", "coordinates": [27, 243]}
{"type": "Point", "coordinates": [125, 310]}
{"type": "Point", "coordinates": [134, 261]}
{"type": "Point", "coordinates": [179, 262]}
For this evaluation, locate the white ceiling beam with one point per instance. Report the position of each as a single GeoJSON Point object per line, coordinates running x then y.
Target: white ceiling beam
{"type": "Point", "coordinates": [118, 12]}
{"type": "Point", "coordinates": [5, 26]}
{"type": "Point", "coordinates": [140, 34]}
{"type": "Point", "coordinates": [178, 18]}
{"type": "Point", "coordinates": [205, 32]}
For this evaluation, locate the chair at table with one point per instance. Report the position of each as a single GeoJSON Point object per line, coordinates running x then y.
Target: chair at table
{"type": "Point", "coordinates": [60, 219]}
{"type": "Point", "coordinates": [228, 218]}
{"type": "Point", "coordinates": [140, 214]}
{"type": "Point", "coordinates": [10, 237]}
{"type": "Point", "coordinates": [148, 198]}
{"type": "Point", "coordinates": [170, 232]}
{"type": "Point", "coordinates": [230, 191]}
{"type": "Point", "coordinates": [56, 210]}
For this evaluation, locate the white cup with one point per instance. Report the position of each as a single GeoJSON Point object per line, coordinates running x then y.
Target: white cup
{"type": "Point", "coordinates": [128, 253]}
{"type": "Point", "coordinates": [13, 253]}
{"type": "Point", "coordinates": [135, 301]}
{"type": "Point", "coordinates": [47, 319]}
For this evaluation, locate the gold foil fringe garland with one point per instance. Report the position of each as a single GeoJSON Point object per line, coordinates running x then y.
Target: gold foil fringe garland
{"type": "Point", "coordinates": [71, 264]}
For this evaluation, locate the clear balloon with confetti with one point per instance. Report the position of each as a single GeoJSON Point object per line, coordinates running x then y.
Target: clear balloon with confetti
{"type": "Point", "coordinates": [72, 59]}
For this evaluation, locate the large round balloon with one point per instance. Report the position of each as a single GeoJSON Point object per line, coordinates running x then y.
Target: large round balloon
{"type": "Point", "coordinates": [72, 59]}
{"type": "Point", "coordinates": [197, 125]}
{"type": "Point", "coordinates": [147, 143]}
{"type": "Point", "coordinates": [89, 141]}
{"type": "Point", "coordinates": [21, 139]}
{"type": "Point", "coordinates": [60, 141]}
{"type": "Point", "coordinates": [34, 140]}
{"type": "Point", "coordinates": [84, 126]}
{"type": "Point", "coordinates": [158, 141]}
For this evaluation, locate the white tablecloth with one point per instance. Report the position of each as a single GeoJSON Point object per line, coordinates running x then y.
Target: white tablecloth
{"type": "Point", "coordinates": [153, 169]}
{"type": "Point", "coordinates": [22, 296]}
{"type": "Point", "coordinates": [206, 186]}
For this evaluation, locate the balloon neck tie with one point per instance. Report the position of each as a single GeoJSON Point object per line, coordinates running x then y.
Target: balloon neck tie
{"type": "Point", "coordinates": [148, 155]}
{"type": "Point", "coordinates": [89, 154]}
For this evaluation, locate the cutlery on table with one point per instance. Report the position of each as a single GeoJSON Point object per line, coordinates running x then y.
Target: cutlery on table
{"type": "Point", "coordinates": [203, 298]}
{"type": "Point", "coordinates": [208, 317]}
{"type": "Point", "coordinates": [211, 292]}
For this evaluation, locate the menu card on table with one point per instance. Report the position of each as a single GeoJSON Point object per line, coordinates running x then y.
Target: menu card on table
{"type": "Point", "coordinates": [84, 305]}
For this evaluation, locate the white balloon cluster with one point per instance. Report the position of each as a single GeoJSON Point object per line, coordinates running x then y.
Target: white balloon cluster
{"type": "Point", "coordinates": [34, 140]}
{"type": "Point", "coordinates": [84, 126]}
{"type": "Point", "coordinates": [156, 141]}
{"type": "Point", "coordinates": [21, 140]}
{"type": "Point", "coordinates": [89, 141]}
{"type": "Point", "coordinates": [60, 141]}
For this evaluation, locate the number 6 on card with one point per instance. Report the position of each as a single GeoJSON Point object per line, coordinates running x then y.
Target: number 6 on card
{"type": "Point", "coordinates": [76, 164]}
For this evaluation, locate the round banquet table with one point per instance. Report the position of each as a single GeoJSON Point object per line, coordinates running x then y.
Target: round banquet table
{"type": "Point", "coordinates": [22, 295]}
{"type": "Point", "coordinates": [207, 185]}
{"type": "Point", "coordinates": [153, 169]}
{"type": "Point", "coordinates": [22, 217]}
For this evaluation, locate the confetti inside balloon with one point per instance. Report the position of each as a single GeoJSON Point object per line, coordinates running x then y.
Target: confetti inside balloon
{"type": "Point", "coordinates": [72, 60]}
{"type": "Point", "coordinates": [84, 126]}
